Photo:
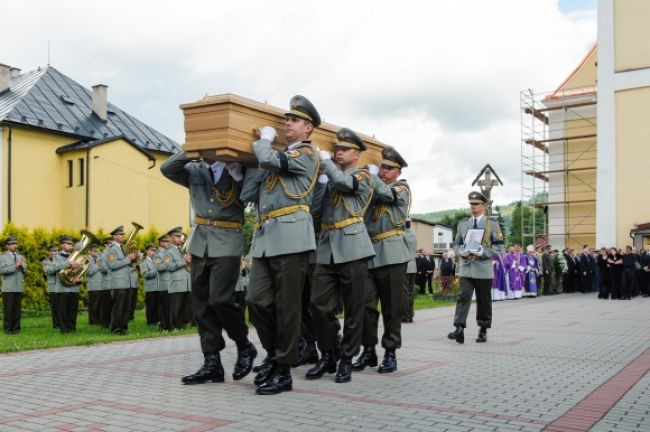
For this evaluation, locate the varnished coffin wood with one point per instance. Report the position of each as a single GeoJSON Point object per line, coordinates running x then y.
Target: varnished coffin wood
{"type": "Point", "coordinates": [222, 127]}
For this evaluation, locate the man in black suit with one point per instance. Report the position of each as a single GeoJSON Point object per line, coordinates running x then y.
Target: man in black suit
{"type": "Point", "coordinates": [421, 269]}
{"type": "Point", "coordinates": [430, 266]}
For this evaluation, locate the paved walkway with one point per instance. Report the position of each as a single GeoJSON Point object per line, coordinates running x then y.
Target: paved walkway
{"type": "Point", "coordinates": [562, 363]}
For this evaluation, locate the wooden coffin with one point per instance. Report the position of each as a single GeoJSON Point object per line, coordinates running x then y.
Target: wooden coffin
{"type": "Point", "coordinates": [222, 127]}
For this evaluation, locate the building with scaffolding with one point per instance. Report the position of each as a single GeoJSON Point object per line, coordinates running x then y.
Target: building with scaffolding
{"type": "Point", "coordinates": [585, 146]}
{"type": "Point", "coordinates": [558, 160]}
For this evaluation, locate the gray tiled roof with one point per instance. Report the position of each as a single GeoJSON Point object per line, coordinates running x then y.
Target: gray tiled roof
{"type": "Point", "coordinates": [48, 99]}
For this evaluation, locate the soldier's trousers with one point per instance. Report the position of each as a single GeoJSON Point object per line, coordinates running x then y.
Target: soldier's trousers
{"type": "Point", "coordinates": [152, 306]}
{"type": "Point", "coordinates": [12, 302]}
{"type": "Point", "coordinates": [179, 310]}
{"type": "Point", "coordinates": [483, 288]}
{"type": "Point", "coordinates": [52, 297]}
{"type": "Point", "coordinates": [94, 307]}
{"type": "Point", "coordinates": [105, 308]}
{"type": "Point", "coordinates": [213, 285]}
{"type": "Point", "coordinates": [332, 282]}
{"type": "Point", "coordinates": [386, 285]}
{"type": "Point", "coordinates": [163, 311]}
{"type": "Point", "coordinates": [409, 297]}
{"type": "Point", "coordinates": [274, 294]}
{"type": "Point", "coordinates": [120, 310]}
{"type": "Point", "coordinates": [133, 302]}
{"type": "Point", "coordinates": [307, 330]}
{"type": "Point", "coordinates": [67, 305]}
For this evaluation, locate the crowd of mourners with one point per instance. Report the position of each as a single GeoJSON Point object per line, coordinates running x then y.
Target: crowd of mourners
{"type": "Point", "coordinates": [617, 274]}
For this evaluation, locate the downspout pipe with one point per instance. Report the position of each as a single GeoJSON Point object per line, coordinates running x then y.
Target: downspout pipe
{"type": "Point", "coordinates": [87, 187]}
{"type": "Point", "coordinates": [9, 163]}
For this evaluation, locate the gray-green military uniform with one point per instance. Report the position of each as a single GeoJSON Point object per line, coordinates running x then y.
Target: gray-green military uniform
{"type": "Point", "coordinates": [47, 265]}
{"type": "Point", "coordinates": [385, 220]}
{"type": "Point", "coordinates": [120, 282]}
{"type": "Point", "coordinates": [342, 258]}
{"type": "Point", "coordinates": [179, 292]}
{"type": "Point", "coordinates": [476, 271]}
{"type": "Point", "coordinates": [215, 243]}
{"type": "Point", "coordinates": [67, 302]}
{"type": "Point", "coordinates": [409, 280]}
{"type": "Point", "coordinates": [105, 299]}
{"type": "Point", "coordinates": [12, 289]}
{"type": "Point", "coordinates": [161, 259]}
{"type": "Point", "coordinates": [151, 290]}
{"type": "Point", "coordinates": [281, 246]}
{"type": "Point", "coordinates": [94, 287]}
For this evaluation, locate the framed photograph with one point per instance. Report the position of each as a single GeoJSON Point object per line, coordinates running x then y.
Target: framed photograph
{"type": "Point", "coordinates": [473, 238]}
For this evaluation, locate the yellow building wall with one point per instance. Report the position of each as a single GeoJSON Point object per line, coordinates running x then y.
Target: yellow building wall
{"type": "Point", "coordinates": [168, 202]}
{"type": "Point", "coordinates": [586, 75]}
{"type": "Point", "coordinates": [37, 178]}
{"type": "Point", "coordinates": [424, 234]}
{"type": "Point", "coordinates": [73, 198]}
{"type": "Point", "coordinates": [631, 34]}
{"type": "Point", "coordinates": [632, 160]}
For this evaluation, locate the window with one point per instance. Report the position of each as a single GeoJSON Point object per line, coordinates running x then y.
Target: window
{"type": "Point", "coordinates": [81, 172]}
{"type": "Point", "coordinates": [70, 173]}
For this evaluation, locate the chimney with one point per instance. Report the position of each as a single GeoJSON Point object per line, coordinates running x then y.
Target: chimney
{"type": "Point", "coordinates": [100, 101]}
{"type": "Point", "coordinates": [5, 77]}
{"type": "Point", "coordinates": [14, 72]}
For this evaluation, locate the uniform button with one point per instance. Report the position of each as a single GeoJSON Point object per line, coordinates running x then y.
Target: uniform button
{"type": "Point", "coordinates": [211, 200]}
{"type": "Point", "coordinates": [209, 211]}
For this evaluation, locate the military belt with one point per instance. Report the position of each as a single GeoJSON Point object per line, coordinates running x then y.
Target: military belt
{"type": "Point", "coordinates": [283, 211]}
{"type": "Point", "coordinates": [386, 234]}
{"type": "Point", "coordinates": [342, 223]}
{"type": "Point", "coordinates": [217, 223]}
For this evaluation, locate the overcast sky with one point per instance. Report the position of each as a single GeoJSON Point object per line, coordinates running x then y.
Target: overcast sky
{"type": "Point", "coordinates": [438, 79]}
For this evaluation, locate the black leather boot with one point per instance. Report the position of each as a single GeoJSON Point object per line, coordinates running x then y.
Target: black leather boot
{"type": "Point", "coordinates": [457, 335]}
{"type": "Point", "coordinates": [482, 335]}
{"type": "Point", "coordinates": [259, 367]}
{"type": "Point", "coordinates": [326, 364]}
{"type": "Point", "coordinates": [244, 362]}
{"type": "Point", "coordinates": [307, 353]}
{"type": "Point", "coordinates": [344, 372]}
{"type": "Point", "coordinates": [266, 372]}
{"type": "Point", "coordinates": [280, 382]}
{"type": "Point", "coordinates": [212, 370]}
{"type": "Point", "coordinates": [389, 364]}
{"type": "Point", "coordinates": [367, 358]}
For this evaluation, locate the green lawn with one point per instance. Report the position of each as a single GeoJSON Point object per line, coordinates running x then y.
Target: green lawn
{"type": "Point", "coordinates": [37, 331]}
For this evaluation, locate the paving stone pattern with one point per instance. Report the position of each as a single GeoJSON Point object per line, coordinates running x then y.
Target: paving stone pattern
{"type": "Point", "coordinates": [562, 363]}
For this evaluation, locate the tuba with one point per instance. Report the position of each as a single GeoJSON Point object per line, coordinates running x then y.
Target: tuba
{"type": "Point", "coordinates": [130, 245]}
{"type": "Point", "coordinates": [72, 276]}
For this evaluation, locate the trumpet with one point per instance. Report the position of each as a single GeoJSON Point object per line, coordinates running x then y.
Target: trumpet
{"type": "Point", "coordinates": [72, 276]}
{"type": "Point", "coordinates": [129, 246]}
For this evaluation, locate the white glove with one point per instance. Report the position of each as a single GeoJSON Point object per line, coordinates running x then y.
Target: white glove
{"type": "Point", "coordinates": [325, 155]}
{"type": "Point", "coordinates": [374, 169]}
{"type": "Point", "coordinates": [462, 252]}
{"type": "Point", "coordinates": [268, 133]}
{"type": "Point", "coordinates": [322, 179]}
{"type": "Point", "coordinates": [478, 252]}
{"type": "Point", "coordinates": [234, 168]}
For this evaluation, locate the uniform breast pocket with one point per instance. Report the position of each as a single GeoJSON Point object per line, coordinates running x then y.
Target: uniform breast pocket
{"type": "Point", "coordinates": [353, 229]}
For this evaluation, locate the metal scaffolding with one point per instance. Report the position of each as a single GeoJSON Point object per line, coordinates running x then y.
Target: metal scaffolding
{"type": "Point", "coordinates": [558, 166]}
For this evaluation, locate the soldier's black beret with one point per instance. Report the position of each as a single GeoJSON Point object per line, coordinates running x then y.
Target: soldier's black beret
{"type": "Point", "coordinates": [477, 198]}
{"type": "Point", "coordinates": [118, 230]}
{"type": "Point", "coordinates": [300, 106]}
{"type": "Point", "coordinates": [348, 139]}
{"type": "Point", "coordinates": [390, 157]}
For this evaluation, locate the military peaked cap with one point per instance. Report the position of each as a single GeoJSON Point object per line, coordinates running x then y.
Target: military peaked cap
{"type": "Point", "coordinates": [346, 138]}
{"type": "Point", "coordinates": [53, 246]}
{"type": "Point", "coordinates": [107, 240]}
{"type": "Point", "coordinates": [390, 157]}
{"type": "Point", "coordinates": [477, 198]}
{"type": "Point", "coordinates": [163, 238]}
{"type": "Point", "coordinates": [300, 106]}
{"type": "Point", "coordinates": [118, 230]}
{"type": "Point", "coordinates": [11, 240]}
{"type": "Point", "coordinates": [66, 239]}
{"type": "Point", "coordinates": [151, 246]}
{"type": "Point", "coordinates": [175, 231]}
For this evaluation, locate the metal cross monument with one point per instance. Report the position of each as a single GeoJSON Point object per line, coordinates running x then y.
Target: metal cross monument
{"type": "Point", "coordinates": [486, 184]}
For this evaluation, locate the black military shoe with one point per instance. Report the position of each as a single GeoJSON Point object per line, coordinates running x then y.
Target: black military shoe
{"type": "Point", "coordinates": [457, 335]}
{"type": "Point", "coordinates": [212, 370]}
{"type": "Point", "coordinates": [389, 364]}
{"type": "Point", "coordinates": [344, 372]}
{"type": "Point", "coordinates": [269, 356]}
{"type": "Point", "coordinates": [326, 364]}
{"type": "Point", "coordinates": [367, 358]}
{"type": "Point", "coordinates": [482, 335]}
{"type": "Point", "coordinates": [244, 362]}
{"type": "Point", "coordinates": [280, 382]}
{"type": "Point", "coordinates": [266, 372]}
{"type": "Point", "coordinates": [307, 353]}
